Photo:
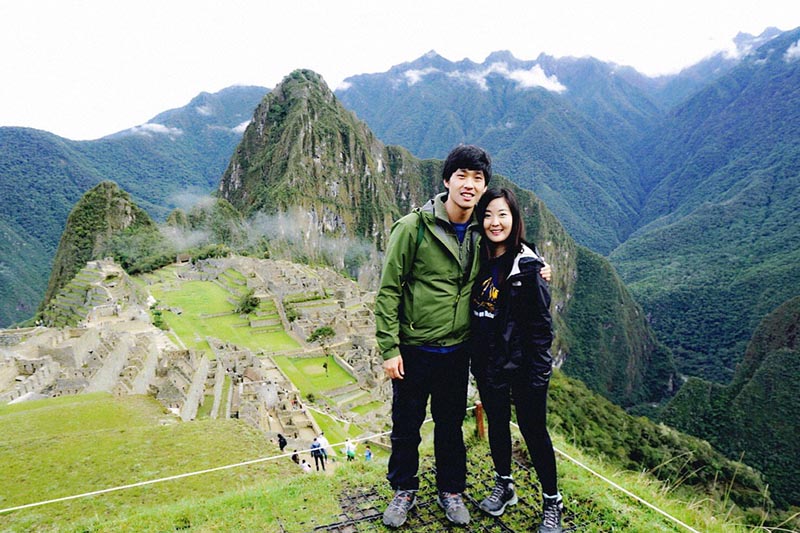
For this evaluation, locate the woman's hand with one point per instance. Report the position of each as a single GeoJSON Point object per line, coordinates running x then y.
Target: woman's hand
{"type": "Point", "coordinates": [546, 272]}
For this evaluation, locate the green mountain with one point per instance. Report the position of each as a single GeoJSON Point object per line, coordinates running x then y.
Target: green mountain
{"type": "Point", "coordinates": [719, 247]}
{"type": "Point", "coordinates": [304, 150]}
{"type": "Point", "coordinates": [102, 214]}
{"type": "Point", "coordinates": [557, 127]}
{"type": "Point", "coordinates": [755, 417]}
{"type": "Point", "coordinates": [168, 162]}
{"type": "Point", "coordinates": [686, 181]}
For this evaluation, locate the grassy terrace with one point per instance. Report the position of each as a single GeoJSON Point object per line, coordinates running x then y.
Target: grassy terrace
{"type": "Point", "coordinates": [205, 311]}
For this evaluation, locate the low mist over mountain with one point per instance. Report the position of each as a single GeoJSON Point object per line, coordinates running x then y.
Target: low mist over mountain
{"type": "Point", "coordinates": [688, 186]}
{"type": "Point", "coordinates": [167, 162]}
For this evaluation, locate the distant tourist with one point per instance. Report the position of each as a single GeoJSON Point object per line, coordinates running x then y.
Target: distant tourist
{"type": "Point", "coordinates": [325, 445]}
{"type": "Point", "coordinates": [511, 317]}
{"type": "Point", "coordinates": [282, 441]}
{"type": "Point", "coordinates": [350, 450]}
{"type": "Point", "coordinates": [305, 466]}
{"type": "Point", "coordinates": [295, 457]}
{"type": "Point", "coordinates": [317, 454]}
{"type": "Point", "coordinates": [368, 454]}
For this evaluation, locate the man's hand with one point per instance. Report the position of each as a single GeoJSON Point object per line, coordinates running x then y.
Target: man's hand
{"type": "Point", "coordinates": [394, 367]}
{"type": "Point", "coordinates": [546, 272]}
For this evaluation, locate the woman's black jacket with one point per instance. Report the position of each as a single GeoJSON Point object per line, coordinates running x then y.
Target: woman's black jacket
{"type": "Point", "coordinates": [522, 324]}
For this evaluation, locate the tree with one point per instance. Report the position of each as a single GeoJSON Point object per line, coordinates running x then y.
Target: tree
{"type": "Point", "coordinates": [322, 336]}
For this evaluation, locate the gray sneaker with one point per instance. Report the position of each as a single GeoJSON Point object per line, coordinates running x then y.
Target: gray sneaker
{"type": "Point", "coordinates": [502, 495]}
{"type": "Point", "coordinates": [454, 507]}
{"type": "Point", "coordinates": [552, 507]}
{"type": "Point", "coordinates": [397, 511]}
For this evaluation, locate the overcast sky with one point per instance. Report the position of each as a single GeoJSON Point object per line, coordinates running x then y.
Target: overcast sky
{"type": "Point", "coordinates": [85, 69]}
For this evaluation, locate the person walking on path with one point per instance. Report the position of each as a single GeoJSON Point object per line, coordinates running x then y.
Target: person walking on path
{"type": "Point", "coordinates": [422, 320]}
{"type": "Point", "coordinates": [316, 453]}
{"type": "Point", "coordinates": [325, 445]}
{"type": "Point", "coordinates": [511, 317]}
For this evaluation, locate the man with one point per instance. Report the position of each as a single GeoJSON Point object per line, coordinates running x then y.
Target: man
{"type": "Point", "coordinates": [423, 322]}
{"type": "Point", "coordinates": [325, 446]}
{"type": "Point", "coordinates": [316, 453]}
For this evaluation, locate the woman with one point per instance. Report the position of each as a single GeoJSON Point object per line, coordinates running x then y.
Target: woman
{"type": "Point", "coordinates": [511, 319]}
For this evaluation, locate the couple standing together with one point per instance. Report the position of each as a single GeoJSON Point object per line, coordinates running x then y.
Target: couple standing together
{"type": "Point", "coordinates": [461, 288]}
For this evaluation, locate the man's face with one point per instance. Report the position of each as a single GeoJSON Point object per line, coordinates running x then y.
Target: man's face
{"type": "Point", "coordinates": [465, 188]}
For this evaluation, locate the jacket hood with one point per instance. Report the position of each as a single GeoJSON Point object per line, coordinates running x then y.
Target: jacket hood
{"type": "Point", "coordinates": [527, 260]}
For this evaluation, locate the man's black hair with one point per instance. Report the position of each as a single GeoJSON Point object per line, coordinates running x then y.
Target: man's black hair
{"type": "Point", "coordinates": [468, 157]}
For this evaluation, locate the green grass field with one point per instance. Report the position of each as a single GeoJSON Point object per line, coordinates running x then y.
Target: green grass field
{"type": "Point", "coordinates": [308, 374]}
{"type": "Point", "coordinates": [66, 446]}
{"type": "Point", "coordinates": [196, 300]}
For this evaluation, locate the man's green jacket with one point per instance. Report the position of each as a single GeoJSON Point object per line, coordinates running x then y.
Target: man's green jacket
{"type": "Point", "coordinates": [426, 303]}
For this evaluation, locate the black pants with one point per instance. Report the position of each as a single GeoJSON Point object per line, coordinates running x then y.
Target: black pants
{"type": "Point", "coordinates": [319, 459]}
{"type": "Point", "coordinates": [530, 402]}
{"type": "Point", "coordinates": [442, 377]}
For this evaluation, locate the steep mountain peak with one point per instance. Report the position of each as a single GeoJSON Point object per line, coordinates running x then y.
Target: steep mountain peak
{"type": "Point", "coordinates": [304, 149]}
{"type": "Point", "coordinates": [501, 56]}
{"type": "Point", "coordinates": [746, 42]}
{"type": "Point", "coordinates": [102, 213]}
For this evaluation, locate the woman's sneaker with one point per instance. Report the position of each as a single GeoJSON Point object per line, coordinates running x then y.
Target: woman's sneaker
{"type": "Point", "coordinates": [502, 495]}
{"type": "Point", "coordinates": [397, 511]}
{"type": "Point", "coordinates": [454, 508]}
{"type": "Point", "coordinates": [552, 507]}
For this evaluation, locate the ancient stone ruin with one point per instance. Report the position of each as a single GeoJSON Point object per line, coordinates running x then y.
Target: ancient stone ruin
{"type": "Point", "coordinates": [98, 335]}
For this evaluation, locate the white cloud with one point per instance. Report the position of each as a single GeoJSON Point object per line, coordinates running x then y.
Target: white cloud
{"type": "Point", "coordinates": [152, 128]}
{"type": "Point", "coordinates": [793, 52]}
{"type": "Point", "coordinates": [189, 199]}
{"type": "Point", "coordinates": [204, 110]}
{"type": "Point", "coordinates": [415, 75]}
{"type": "Point", "coordinates": [241, 127]}
{"type": "Point", "coordinates": [525, 79]}
{"type": "Point", "coordinates": [536, 77]}
{"type": "Point", "coordinates": [343, 86]}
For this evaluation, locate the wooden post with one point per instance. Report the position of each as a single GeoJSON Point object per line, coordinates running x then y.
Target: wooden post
{"type": "Point", "coordinates": [479, 420]}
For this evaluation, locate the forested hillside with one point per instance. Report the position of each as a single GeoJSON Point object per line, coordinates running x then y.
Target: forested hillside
{"type": "Point", "coordinates": [719, 246]}
{"type": "Point", "coordinates": [688, 182]}
{"type": "Point", "coordinates": [755, 417]}
{"type": "Point", "coordinates": [555, 127]}
{"type": "Point", "coordinates": [172, 160]}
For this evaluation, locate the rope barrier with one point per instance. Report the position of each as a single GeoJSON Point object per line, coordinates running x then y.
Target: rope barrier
{"type": "Point", "coordinates": [280, 456]}
{"type": "Point", "coordinates": [620, 488]}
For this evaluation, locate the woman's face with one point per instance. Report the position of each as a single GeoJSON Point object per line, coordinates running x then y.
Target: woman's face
{"type": "Point", "coordinates": [497, 222]}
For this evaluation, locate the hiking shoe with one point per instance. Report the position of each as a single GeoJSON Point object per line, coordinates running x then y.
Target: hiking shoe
{"type": "Point", "coordinates": [454, 507]}
{"type": "Point", "coordinates": [502, 495]}
{"type": "Point", "coordinates": [397, 511]}
{"type": "Point", "coordinates": [552, 507]}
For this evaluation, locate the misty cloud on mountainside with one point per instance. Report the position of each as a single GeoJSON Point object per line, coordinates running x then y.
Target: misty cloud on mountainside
{"type": "Point", "coordinates": [187, 199]}
{"type": "Point", "coordinates": [204, 110]}
{"type": "Point", "coordinates": [792, 53]}
{"type": "Point", "coordinates": [525, 78]}
{"type": "Point", "coordinates": [149, 129]}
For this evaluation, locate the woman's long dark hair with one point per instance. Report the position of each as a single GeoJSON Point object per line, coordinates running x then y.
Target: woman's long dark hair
{"type": "Point", "coordinates": [517, 236]}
